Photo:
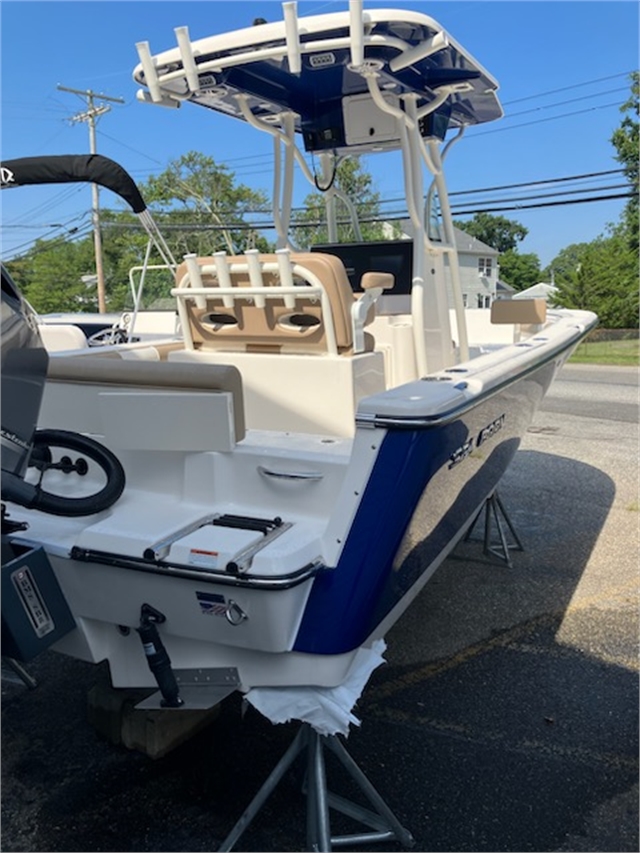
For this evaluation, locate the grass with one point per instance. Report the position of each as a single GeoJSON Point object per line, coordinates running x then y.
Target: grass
{"type": "Point", "coordinates": [621, 353]}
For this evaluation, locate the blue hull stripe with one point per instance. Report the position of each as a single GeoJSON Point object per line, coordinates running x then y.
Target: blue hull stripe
{"type": "Point", "coordinates": [345, 605]}
{"type": "Point", "coordinates": [342, 603]}
{"type": "Point", "coordinates": [428, 480]}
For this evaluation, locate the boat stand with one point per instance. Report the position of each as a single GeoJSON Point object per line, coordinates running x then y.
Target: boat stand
{"type": "Point", "coordinates": [493, 508]}
{"type": "Point", "coordinates": [382, 821]}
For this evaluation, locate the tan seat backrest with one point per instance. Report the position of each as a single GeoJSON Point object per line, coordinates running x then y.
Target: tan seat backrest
{"type": "Point", "coordinates": [275, 326]}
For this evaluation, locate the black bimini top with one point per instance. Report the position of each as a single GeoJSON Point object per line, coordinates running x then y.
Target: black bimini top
{"type": "Point", "coordinates": [72, 168]}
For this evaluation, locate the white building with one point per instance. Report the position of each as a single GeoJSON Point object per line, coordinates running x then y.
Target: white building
{"type": "Point", "coordinates": [478, 263]}
{"type": "Point", "coordinates": [479, 270]}
{"type": "Point", "coordinates": [541, 290]}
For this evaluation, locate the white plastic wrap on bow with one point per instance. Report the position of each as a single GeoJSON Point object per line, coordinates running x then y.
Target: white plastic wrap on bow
{"type": "Point", "coordinates": [327, 709]}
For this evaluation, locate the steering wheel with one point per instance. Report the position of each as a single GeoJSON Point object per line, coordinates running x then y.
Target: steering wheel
{"type": "Point", "coordinates": [42, 459]}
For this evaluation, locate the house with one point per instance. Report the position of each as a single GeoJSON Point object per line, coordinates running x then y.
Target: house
{"type": "Point", "coordinates": [479, 271]}
{"type": "Point", "coordinates": [478, 264]}
{"type": "Point", "coordinates": [542, 290]}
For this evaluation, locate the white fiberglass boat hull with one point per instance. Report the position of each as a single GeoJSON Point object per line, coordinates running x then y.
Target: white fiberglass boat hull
{"type": "Point", "coordinates": [364, 529]}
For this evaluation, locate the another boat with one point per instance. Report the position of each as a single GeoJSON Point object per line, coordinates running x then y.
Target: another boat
{"type": "Point", "coordinates": [300, 463]}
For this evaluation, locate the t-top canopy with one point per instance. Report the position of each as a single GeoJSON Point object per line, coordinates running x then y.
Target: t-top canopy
{"type": "Point", "coordinates": [319, 70]}
{"type": "Point", "coordinates": [72, 168]}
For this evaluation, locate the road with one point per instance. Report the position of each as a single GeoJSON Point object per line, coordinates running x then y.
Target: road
{"type": "Point", "coordinates": [599, 391]}
{"type": "Point", "coordinates": [505, 717]}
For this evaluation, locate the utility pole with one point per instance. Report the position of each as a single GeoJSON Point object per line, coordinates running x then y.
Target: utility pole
{"type": "Point", "coordinates": [89, 116]}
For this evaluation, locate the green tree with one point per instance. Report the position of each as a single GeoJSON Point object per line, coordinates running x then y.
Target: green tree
{"type": "Point", "coordinates": [626, 142]}
{"type": "Point", "coordinates": [51, 276]}
{"type": "Point", "coordinates": [520, 271]}
{"type": "Point", "coordinates": [602, 276]}
{"type": "Point", "coordinates": [605, 281]}
{"type": "Point", "coordinates": [496, 231]}
{"type": "Point", "coordinates": [356, 183]}
{"type": "Point", "coordinates": [194, 189]}
{"type": "Point", "coordinates": [566, 262]}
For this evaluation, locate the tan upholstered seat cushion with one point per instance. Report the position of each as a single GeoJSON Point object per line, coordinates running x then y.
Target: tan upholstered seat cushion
{"type": "Point", "coordinates": [274, 326]}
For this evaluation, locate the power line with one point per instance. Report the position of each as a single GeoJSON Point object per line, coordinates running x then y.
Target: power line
{"type": "Point", "coordinates": [124, 145]}
{"type": "Point", "coordinates": [567, 88]}
{"type": "Point", "coordinates": [564, 103]}
{"type": "Point", "coordinates": [477, 190]}
{"type": "Point", "coordinates": [79, 233]}
{"type": "Point", "coordinates": [545, 204]}
{"type": "Point", "coordinates": [541, 120]}
{"type": "Point", "coordinates": [581, 177]}
{"type": "Point", "coordinates": [268, 226]}
{"type": "Point", "coordinates": [486, 206]}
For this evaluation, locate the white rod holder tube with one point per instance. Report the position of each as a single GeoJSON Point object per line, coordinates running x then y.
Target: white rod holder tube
{"type": "Point", "coordinates": [286, 275]}
{"type": "Point", "coordinates": [255, 274]}
{"type": "Point", "coordinates": [291, 36]}
{"type": "Point", "coordinates": [356, 32]}
{"type": "Point", "coordinates": [150, 73]}
{"type": "Point", "coordinates": [224, 278]}
{"type": "Point", "coordinates": [195, 279]}
{"type": "Point", "coordinates": [188, 61]}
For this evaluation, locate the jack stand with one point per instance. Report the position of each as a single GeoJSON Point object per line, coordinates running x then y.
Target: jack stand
{"type": "Point", "coordinates": [22, 675]}
{"type": "Point", "coordinates": [494, 506]}
{"type": "Point", "coordinates": [319, 799]}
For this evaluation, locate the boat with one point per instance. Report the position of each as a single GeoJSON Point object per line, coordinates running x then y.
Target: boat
{"type": "Point", "coordinates": [283, 479]}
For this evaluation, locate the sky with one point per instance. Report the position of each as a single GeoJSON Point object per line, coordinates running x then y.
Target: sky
{"type": "Point", "coordinates": [562, 67]}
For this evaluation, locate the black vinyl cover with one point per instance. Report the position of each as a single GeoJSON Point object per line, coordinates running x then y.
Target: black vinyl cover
{"type": "Point", "coordinates": [72, 168]}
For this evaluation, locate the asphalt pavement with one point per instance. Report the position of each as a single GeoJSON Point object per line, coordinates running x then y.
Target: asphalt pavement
{"type": "Point", "coordinates": [505, 717]}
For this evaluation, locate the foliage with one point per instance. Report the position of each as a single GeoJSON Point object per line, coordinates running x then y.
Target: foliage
{"type": "Point", "coordinates": [194, 189]}
{"type": "Point", "coordinates": [566, 262]}
{"type": "Point", "coordinates": [605, 281]}
{"type": "Point", "coordinates": [357, 184]}
{"type": "Point", "coordinates": [498, 232]}
{"type": "Point", "coordinates": [602, 276]}
{"type": "Point", "coordinates": [627, 144]}
{"type": "Point", "coordinates": [520, 271]}
{"type": "Point", "coordinates": [51, 276]}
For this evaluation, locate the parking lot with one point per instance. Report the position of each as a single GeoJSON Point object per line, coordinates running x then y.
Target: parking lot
{"type": "Point", "coordinates": [505, 717]}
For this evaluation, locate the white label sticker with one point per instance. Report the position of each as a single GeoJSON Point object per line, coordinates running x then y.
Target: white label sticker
{"type": "Point", "coordinates": [200, 557]}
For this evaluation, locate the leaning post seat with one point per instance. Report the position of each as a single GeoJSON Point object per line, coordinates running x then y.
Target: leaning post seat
{"type": "Point", "coordinates": [283, 302]}
{"type": "Point", "coordinates": [292, 326]}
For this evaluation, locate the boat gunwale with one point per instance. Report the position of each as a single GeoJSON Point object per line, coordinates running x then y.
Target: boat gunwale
{"type": "Point", "coordinates": [407, 422]}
